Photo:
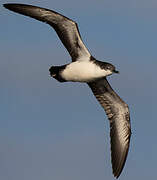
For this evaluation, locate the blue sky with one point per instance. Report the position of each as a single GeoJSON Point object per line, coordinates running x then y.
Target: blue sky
{"type": "Point", "coordinates": [59, 131]}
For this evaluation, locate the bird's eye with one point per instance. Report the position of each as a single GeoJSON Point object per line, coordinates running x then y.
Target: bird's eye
{"type": "Point", "coordinates": [108, 67]}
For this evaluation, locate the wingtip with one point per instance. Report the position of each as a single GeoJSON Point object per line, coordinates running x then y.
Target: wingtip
{"type": "Point", "coordinates": [8, 5]}
{"type": "Point", "coordinates": [118, 170]}
{"type": "Point", "coordinates": [11, 6]}
{"type": "Point", "coordinates": [5, 5]}
{"type": "Point", "coordinates": [117, 175]}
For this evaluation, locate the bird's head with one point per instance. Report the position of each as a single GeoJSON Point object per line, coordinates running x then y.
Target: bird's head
{"type": "Point", "coordinates": [110, 68]}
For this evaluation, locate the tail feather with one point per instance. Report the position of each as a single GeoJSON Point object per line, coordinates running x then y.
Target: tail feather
{"type": "Point", "coordinates": [55, 72]}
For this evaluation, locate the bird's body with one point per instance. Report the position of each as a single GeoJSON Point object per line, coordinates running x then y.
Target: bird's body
{"type": "Point", "coordinates": [85, 68]}
{"type": "Point", "coordinates": [82, 71]}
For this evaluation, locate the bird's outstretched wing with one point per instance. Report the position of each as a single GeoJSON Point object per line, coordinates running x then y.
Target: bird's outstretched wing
{"type": "Point", "coordinates": [66, 28]}
{"type": "Point", "coordinates": [118, 115]}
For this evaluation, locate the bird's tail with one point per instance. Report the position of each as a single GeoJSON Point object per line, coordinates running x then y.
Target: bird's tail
{"type": "Point", "coordinates": [55, 72]}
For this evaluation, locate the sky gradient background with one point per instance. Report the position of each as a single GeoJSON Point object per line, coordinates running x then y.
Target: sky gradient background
{"type": "Point", "coordinates": [53, 131]}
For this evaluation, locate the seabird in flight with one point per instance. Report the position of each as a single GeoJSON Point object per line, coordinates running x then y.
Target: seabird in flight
{"type": "Point", "coordinates": [85, 68]}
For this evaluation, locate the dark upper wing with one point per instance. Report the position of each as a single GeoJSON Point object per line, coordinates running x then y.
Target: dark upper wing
{"type": "Point", "coordinates": [66, 29]}
{"type": "Point", "coordinates": [118, 114]}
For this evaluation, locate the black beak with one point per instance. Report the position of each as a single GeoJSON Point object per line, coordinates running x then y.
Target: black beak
{"type": "Point", "coordinates": [116, 71]}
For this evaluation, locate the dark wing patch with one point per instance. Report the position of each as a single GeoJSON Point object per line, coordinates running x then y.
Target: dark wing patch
{"type": "Point", "coordinates": [118, 115]}
{"type": "Point", "coordinates": [66, 29]}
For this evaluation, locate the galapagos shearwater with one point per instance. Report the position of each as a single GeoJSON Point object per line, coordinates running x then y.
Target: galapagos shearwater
{"type": "Point", "coordinates": [85, 68]}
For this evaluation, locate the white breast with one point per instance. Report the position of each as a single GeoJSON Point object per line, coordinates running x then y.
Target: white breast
{"type": "Point", "coordinates": [83, 71]}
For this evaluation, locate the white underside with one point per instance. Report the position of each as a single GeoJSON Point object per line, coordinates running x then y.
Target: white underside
{"type": "Point", "coordinates": [83, 71]}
